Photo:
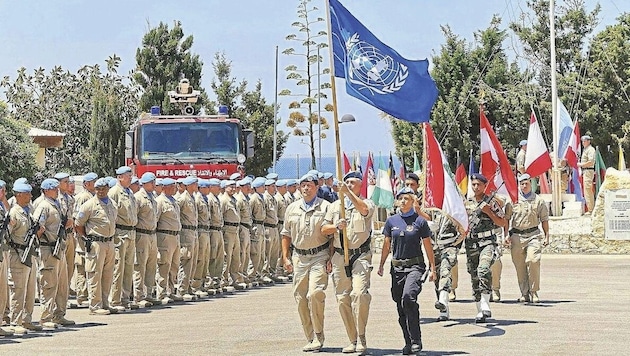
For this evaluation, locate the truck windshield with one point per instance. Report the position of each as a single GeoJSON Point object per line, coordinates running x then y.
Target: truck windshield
{"type": "Point", "coordinates": [189, 140]}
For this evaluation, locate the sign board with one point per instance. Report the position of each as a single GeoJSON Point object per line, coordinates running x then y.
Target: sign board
{"type": "Point", "coordinates": [617, 215]}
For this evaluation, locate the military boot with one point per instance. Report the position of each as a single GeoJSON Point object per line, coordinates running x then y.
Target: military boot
{"type": "Point", "coordinates": [480, 318]}
{"type": "Point", "coordinates": [442, 306]}
{"type": "Point", "coordinates": [485, 305]}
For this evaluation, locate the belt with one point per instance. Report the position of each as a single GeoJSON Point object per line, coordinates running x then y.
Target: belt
{"type": "Point", "coordinates": [247, 226]}
{"type": "Point", "coordinates": [99, 238]}
{"type": "Point", "coordinates": [526, 231]}
{"type": "Point", "coordinates": [311, 251]}
{"type": "Point", "coordinates": [225, 223]}
{"type": "Point", "coordinates": [203, 227]}
{"type": "Point", "coordinates": [258, 222]}
{"type": "Point", "coordinates": [270, 225]}
{"type": "Point", "coordinates": [407, 262]}
{"type": "Point", "coordinates": [17, 246]}
{"type": "Point", "coordinates": [588, 169]}
{"type": "Point", "coordinates": [144, 231]}
{"type": "Point", "coordinates": [46, 243]}
{"type": "Point", "coordinates": [484, 234]}
{"type": "Point", "coordinates": [216, 228]}
{"type": "Point", "coordinates": [125, 227]}
{"type": "Point", "coordinates": [365, 247]}
{"type": "Point", "coordinates": [168, 232]}
{"type": "Point", "coordinates": [189, 227]}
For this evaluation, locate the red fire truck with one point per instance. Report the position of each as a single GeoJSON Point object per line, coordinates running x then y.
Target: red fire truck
{"type": "Point", "coordinates": [175, 146]}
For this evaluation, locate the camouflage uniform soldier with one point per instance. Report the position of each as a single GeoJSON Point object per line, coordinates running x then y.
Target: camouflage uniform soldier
{"type": "Point", "coordinates": [481, 243]}
{"type": "Point", "coordinates": [445, 247]}
{"type": "Point", "coordinates": [203, 231]}
{"type": "Point", "coordinates": [272, 239]}
{"type": "Point", "coordinates": [168, 229]}
{"type": "Point", "coordinates": [217, 250]}
{"type": "Point", "coordinates": [189, 245]}
{"type": "Point", "coordinates": [124, 240]}
{"type": "Point", "coordinates": [145, 267]}
{"type": "Point", "coordinates": [257, 251]}
{"type": "Point", "coordinates": [80, 278]}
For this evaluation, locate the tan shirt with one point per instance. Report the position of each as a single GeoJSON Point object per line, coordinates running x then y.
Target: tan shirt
{"type": "Point", "coordinates": [304, 224]}
{"type": "Point", "coordinates": [520, 161]}
{"type": "Point", "coordinates": [147, 207]}
{"type": "Point", "coordinates": [282, 207]}
{"type": "Point", "coordinates": [79, 200]}
{"type": "Point", "coordinates": [358, 227]}
{"type": "Point", "coordinates": [98, 218]}
{"type": "Point", "coordinates": [216, 211]}
{"type": "Point", "coordinates": [49, 214]}
{"type": "Point", "coordinates": [271, 209]}
{"type": "Point", "coordinates": [230, 210]}
{"type": "Point", "coordinates": [588, 156]}
{"type": "Point", "coordinates": [244, 208]}
{"type": "Point", "coordinates": [19, 224]}
{"type": "Point", "coordinates": [258, 206]}
{"type": "Point", "coordinates": [529, 213]}
{"type": "Point", "coordinates": [167, 213]}
{"type": "Point", "coordinates": [187, 209]}
{"type": "Point", "coordinates": [203, 209]}
{"type": "Point", "coordinates": [67, 204]}
{"type": "Point", "coordinates": [126, 203]}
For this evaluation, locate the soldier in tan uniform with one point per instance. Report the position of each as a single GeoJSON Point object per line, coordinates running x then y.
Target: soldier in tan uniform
{"type": "Point", "coordinates": [4, 261]}
{"type": "Point", "coordinates": [587, 163]}
{"type": "Point", "coordinates": [231, 223]}
{"type": "Point", "coordinates": [257, 238]}
{"type": "Point", "coordinates": [217, 250]}
{"type": "Point", "coordinates": [281, 189]}
{"type": "Point", "coordinates": [158, 187]}
{"type": "Point", "coordinates": [134, 185]}
{"type": "Point", "coordinates": [351, 290]}
{"type": "Point", "coordinates": [526, 239]}
{"type": "Point", "coordinates": [22, 278]}
{"type": "Point", "coordinates": [53, 278]}
{"type": "Point", "coordinates": [203, 231]}
{"type": "Point", "coordinates": [306, 254]}
{"type": "Point", "coordinates": [96, 226]}
{"type": "Point", "coordinates": [67, 208]}
{"type": "Point", "coordinates": [80, 277]}
{"type": "Point", "coordinates": [272, 238]}
{"type": "Point", "coordinates": [292, 193]}
{"type": "Point", "coordinates": [145, 267]}
{"type": "Point", "coordinates": [189, 245]}
{"type": "Point", "coordinates": [124, 240]}
{"type": "Point", "coordinates": [242, 196]}
{"type": "Point", "coordinates": [168, 229]}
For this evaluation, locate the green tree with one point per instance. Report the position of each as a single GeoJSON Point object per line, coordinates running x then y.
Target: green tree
{"type": "Point", "coordinates": [305, 119]}
{"type": "Point", "coordinates": [17, 150]}
{"type": "Point", "coordinates": [164, 58]}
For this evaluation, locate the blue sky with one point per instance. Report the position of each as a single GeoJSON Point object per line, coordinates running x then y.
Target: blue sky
{"type": "Point", "coordinates": [73, 33]}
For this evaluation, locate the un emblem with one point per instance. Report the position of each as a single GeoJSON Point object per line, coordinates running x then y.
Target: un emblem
{"type": "Point", "coordinates": [370, 69]}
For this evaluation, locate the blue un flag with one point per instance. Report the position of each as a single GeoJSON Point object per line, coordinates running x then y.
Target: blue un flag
{"type": "Point", "coordinates": [377, 74]}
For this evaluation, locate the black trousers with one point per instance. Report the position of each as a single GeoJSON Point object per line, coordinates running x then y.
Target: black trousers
{"type": "Point", "coordinates": [406, 286]}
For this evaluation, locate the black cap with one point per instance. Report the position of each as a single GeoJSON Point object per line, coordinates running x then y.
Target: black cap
{"type": "Point", "coordinates": [479, 177]}
{"type": "Point", "coordinates": [352, 174]}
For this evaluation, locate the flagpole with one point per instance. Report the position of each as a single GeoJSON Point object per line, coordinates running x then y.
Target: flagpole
{"type": "Point", "coordinates": [342, 208]}
{"type": "Point", "coordinates": [556, 197]}
{"type": "Point", "coordinates": [275, 118]}
{"type": "Point", "coordinates": [424, 162]}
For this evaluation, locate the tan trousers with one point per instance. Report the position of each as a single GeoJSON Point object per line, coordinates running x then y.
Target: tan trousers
{"type": "Point", "coordinates": [188, 250]}
{"type": "Point", "coordinates": [53, 280]}
{"type": "Point", "coordinates": [272, 250]}
{"type": "Point", "coordinates": [526, 253]}
{"type": "Point", "coordinates": [353, 297]}
{"type": "Point", "coordinates": [309, 285]}
{"type": "Point", "coordinates": [455, 274]}
{"type": "Point", "coordinates": [71, 243]}
{"type": "Point", "coordinates": [145, 267]}
{"type": "Point", "coordinates": [80, 279]}
{"type": "Point", "coordinates": [125, 244]}
{"type": "Point", "coordinates": [588, 177]}
{"type": "Point", "coordinates": [203, 259]}
{"type": "Point", "coordinates": [232, 255]}
{"type": "Point", "coordinates": [168, 264]}
{"type": "Point", "coordinates": [4, 283]}
{"type": "Point", "coordinates": [99, 266]}
{"type": "Point", "coordinates": [216, 255]}
{"type": "Point", "coordinates": [245, 239]}
{"type": "Point", "coordinates": [22, 282]}
{"type": "Point", "coordinates": [257, 251]}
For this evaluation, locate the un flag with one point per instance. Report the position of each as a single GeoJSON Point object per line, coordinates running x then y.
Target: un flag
{"type": "Point", "coordinates": [376, 73]}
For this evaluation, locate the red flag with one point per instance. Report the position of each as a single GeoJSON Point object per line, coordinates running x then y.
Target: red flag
{"type": "Point", "coordinates": [574, 146]}
{"type": "Point", "coordinates": [494, 163]}
{"type": "Point", "coordinates": [460, 176]}
{"type": "Point", "coordinates": [346, 164]}
{"type": "Point", "coordinates": [537, 160]}
{"type": "Point", "coordinates": [369, 178]}
{"type": "Point", "coordinates": [441, 191]}
{"type": "Point", "coordinates": [544, 183]}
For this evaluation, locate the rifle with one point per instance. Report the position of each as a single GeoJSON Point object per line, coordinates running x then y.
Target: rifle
{"type": "Point", "coordinates": [474, 219]}
{"type": "Point", "coordinates": [60, 244]}
{"type": "Point", "coordinates": [32, 243]}
{"type": "Point", "coordinates": [4, 231]}
{"type": "Point", "coordinates": [88, 243]}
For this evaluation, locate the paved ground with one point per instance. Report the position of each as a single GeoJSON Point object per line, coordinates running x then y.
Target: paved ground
{"type": "Point", "coordinates": [585, 309]}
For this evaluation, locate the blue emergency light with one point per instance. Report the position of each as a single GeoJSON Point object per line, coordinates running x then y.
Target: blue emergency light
{"type": "Point", "coordinates": [155, 110]}
{"type": "Point", "coordinates": [223, 110]}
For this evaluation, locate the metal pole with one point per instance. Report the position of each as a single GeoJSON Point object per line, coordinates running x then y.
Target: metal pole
{"type": "Point", "coordinates": [297, 161]}
{"type": "Point", "coordinates": [556, 194]}
{"type": "Point", "coordinates": [319, 110]}
{"type": "Point", "coordinates": [275, 118]}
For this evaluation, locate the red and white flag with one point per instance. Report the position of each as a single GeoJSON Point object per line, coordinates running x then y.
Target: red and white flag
{"type": "Point", "coordinates": [537, 159]}
{"type": "Point", "coordinates": [494, 163]}
{"type": "Point", "coordinates": [369, 179]}
{"type": "Point", "coordinates": [441, 191]}
{"type": "Point", "coordinates": [574, 146]}
{"type": "Point", "coordinates": [346, 164]}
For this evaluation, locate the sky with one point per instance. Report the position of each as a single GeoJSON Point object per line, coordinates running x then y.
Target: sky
{"type": "Point", "coordinates": [73, 33]}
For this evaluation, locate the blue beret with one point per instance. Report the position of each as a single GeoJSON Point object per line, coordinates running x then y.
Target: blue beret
{"type": "Point", "coordinates": [281, 183]}
{"type": "Point", "coordinates": [258, 182]}
{"type": "Point", "coordinates": [235, 176]}
{"type": "Point", "coordinates": [112, 183]}
{"type": "Point", "coordinates": [335, 182]}
{"type": "Point", "coordinates": [242, 182]}
{"type": "Point", "coordinates": [272, 176]}
{"type": "Point", "coordinates": [227, 182]}
{"type": "Point", "coordinates": [479, 177]}
{"type": "Point", "coordinates": [586, 137]}
{"type": "Point", "coordinates": [49, 183]}
{"type": "Point", "coordinates": [2, 184]}
{"type": "Point", "coordinates": [313, 172]}
{"type": "Point", "coordinates": [251, 176]}
{"type": "Point", "coordinates": [248, 180]}
{"type": "Point", "coordinates": [71, 179]}
{"type": "Point", "coordinates": [147, 177]}
{"type": "Point", "coordinates": [20, 181]}
{"type": "Point", "coordinates": [168, 181]}
{"type": "Point", "coordinates": [291, 182]}
{"type": "Point", "coordinates": [135, 180]}
{"type": "Point", "coordinates": [90, 177]}
{"type": "Point", "coordinates": [190, 180]}
{"type": "Point", "coordinates": [180, 180]}
{"type": "Point", "coordinates": [405, 190]}
{"type": "Point", "coordinates": [123, 170]}
{"type": "Point", "coordinates": [270, 182]}
{"type": "Point", "coordinates": [327, 175]}
{"type": "Point", "coordinates": [309, 178]}
{"type": "Point", "coordinates": [61, 175]}
{"type": "Point", "coordinates": [523, 177]}
{"type": "Point", "coordinates": [203, 183]}
{"type": "Point", "coordinates": [214, 182]}
{"type": "Point", "coordinates": [22, 188]}
{"type": "Point", "coordinates": [522, 143]}
{"type": "Point", "coordinates": [352, 174]}
{"type": "Point", "coordinates": [320, 175]}
{"type": "Point", "coordinates": [101, 182]}
{"type": "Point", "coordinates": [158, 181]}
{"type": "Point", "coordinates": [108, 179]}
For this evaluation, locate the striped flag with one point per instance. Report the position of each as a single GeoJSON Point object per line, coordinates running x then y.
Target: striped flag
{"type": "Point", "coordinates": [460, 176]}
{"type": "Point", "coordinates": [383, 195]}
{"type": "Point", "coordinates": [494, 163]}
